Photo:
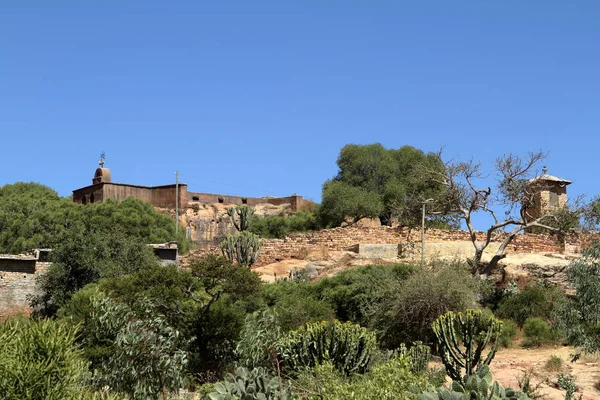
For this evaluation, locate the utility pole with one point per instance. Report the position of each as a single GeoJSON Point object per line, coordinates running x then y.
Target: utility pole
{"type": "Point", "coordinates": [423, 233]}
{"type": "Point", "coordinates": [176, 202]}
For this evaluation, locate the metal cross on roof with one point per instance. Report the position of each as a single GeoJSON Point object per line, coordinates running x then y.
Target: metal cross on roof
{"type": "Point", "coordinates": [101, 161]}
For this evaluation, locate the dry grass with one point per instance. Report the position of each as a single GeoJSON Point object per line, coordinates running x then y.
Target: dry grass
{"type": "Point", "coordinates": [554, 364]}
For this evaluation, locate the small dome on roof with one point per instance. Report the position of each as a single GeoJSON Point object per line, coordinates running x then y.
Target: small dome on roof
{"type": "Point", "coordinates": [102, 175]}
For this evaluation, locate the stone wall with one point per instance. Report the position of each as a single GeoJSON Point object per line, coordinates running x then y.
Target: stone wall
{"type": "Point", "coordinates": [296, 245]}
{"type": "Point", "coordinates": [17, 283]}
{"type": "Point", "coordinates": [296, 202]}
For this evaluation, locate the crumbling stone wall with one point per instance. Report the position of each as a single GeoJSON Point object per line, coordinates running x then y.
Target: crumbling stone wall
{"type": "Point", "coordinates": [337, 239]}
{"type": "Point", "coordinates": [17, 284]}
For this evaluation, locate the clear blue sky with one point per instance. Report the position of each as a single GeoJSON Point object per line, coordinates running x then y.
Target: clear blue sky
{"type": "Point", "coordinates": [257, 97]}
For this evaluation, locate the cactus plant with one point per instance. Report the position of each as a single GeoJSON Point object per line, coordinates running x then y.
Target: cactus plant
{"type": "Point", "coordinates": [242, 247]}
{"type": "Point", "coordinates": [244, 217]}
{"type": "Point", "coordinates": [462, 338]}
{"type": "Point", "coordinates": [250, 385]}
{"type": "Point", "coordinates": [418, 355]}
{"type": "Point", "coordinates": [349, 347]}
{"type": "Point", "coordinates": [475, 387]}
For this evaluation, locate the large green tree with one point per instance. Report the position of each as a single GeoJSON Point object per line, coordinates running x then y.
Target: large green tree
{"type": "Point", "coordinates": [375, 182]}
{"type": "Point", "coordinates": [87, 257]}
{"type": "Point", "coordinates": [34, 216]}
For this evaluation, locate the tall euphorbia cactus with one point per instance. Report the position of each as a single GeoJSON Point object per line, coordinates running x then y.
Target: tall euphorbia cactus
{"type": "Point", "coordinates": [462, 338]}
{"type": "Point", "coordinates": [243, 218]}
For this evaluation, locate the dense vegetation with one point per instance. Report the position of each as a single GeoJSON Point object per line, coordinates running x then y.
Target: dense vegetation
{"type": "Point", "coordinates": [34, 216]}
{"type": "Point", "coordinates": [148, 330]}
{"type": "Point", "coordinates": [375, 182]}
{"type": "Point", "coordinates": [110, 322]}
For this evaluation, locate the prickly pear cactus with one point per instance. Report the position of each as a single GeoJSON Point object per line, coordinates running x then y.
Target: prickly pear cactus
{"type": "Point", "coordinates": [462, 338]}
{"type": "Point", "coordinates": [250, 385]}
{"type": "Point", "coordinates": [475, 387]}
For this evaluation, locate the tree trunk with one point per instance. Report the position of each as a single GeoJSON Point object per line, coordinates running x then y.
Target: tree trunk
{"type": "Point", "coordinates": [477, 259]}
{"type": "Point", "coordinates": [501, 253]}
{"type": "Point", "coordinates": [385, 219]}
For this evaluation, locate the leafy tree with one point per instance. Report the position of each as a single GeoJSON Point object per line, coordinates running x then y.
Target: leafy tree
{"type": "Point", "coordinates": [375, 182]}
{"type": "Point", "coordinates": [507, 204]}
{"type": "Point", "coordinates": [580, 319]}
{"type": "Point", "coordinates": [134, 218]}
{"type": "Point", "coordinates": [34, 216]}
{"type": "Point", "coordinates": [85, 258]}
{"type": "Point", "coordinates": [591, 213]}
{"type": "Point", "coordinates": [207, 303]}
{"type": "Point", "coordinates": [145, 358]}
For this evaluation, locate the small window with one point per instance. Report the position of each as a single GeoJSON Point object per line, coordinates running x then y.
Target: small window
{"type": "Point", "coordinates": [244, 200]}
{"type": "Point", "coordinates": [92, 198]}
{"type": "Point", "coordinates": [221, 200]}
{"type": "Point", "coordinates": [84, 200]}
{"type": "Point", "coordinates": [195, 198]}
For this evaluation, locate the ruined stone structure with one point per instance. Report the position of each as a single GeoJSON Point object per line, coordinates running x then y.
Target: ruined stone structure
{"type": "Point", "coordinates": [165, 196]}
{"type": "Point", "coordinates": [349, 238]}
{"type": "Point", "coordinates": [549, 194]}
{"type": "Point", "coordinates": [17, 280]}
{"type": "Point", "coordinates": [18, 274]}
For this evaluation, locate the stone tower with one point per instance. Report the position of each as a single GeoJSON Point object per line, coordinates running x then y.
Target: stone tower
{"type": "Point", "coordinates": [548, 193]}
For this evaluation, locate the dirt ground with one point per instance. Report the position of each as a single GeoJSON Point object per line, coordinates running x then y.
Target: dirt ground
{"type": "Point", "coordinates": [510, 364]}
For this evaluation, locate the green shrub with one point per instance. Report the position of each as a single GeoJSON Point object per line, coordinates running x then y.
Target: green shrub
{"type": "Point", "coordinates": [567, 383]}
{"type": "Point", "coordinates": [508, 333]}
{"type": "Point", "coordinates": [407, 314]}
{"type": "Point", "coordinates": [257, 344]}
{"type": "Point", "coordinates": [554, 364]}
{"type": "Point", "coordinates": [40, 360]}
{"type": "Point", "coordinates": [525, 384]}
{"type": "Point", "coordinates": [579, 320]}
{"type": "Point", "coordinates": [356, 293]}
{"type": "Point", "coordinates": [296, 304]}
{"type": "Point", "coordinates": [350, 348]}
{"type": "Point", "coordinates": [537, 332]}
{"type": "Point", "coordinates": [145, 358]}
{"type": "Point", "coordinates": [535, 300]}
{"type": "Point", "coordinates": [391, 380]}
{"type": "Point", "coordinates": [278, 226]}
{"type": "Point", "coordinates": [85, 258]}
